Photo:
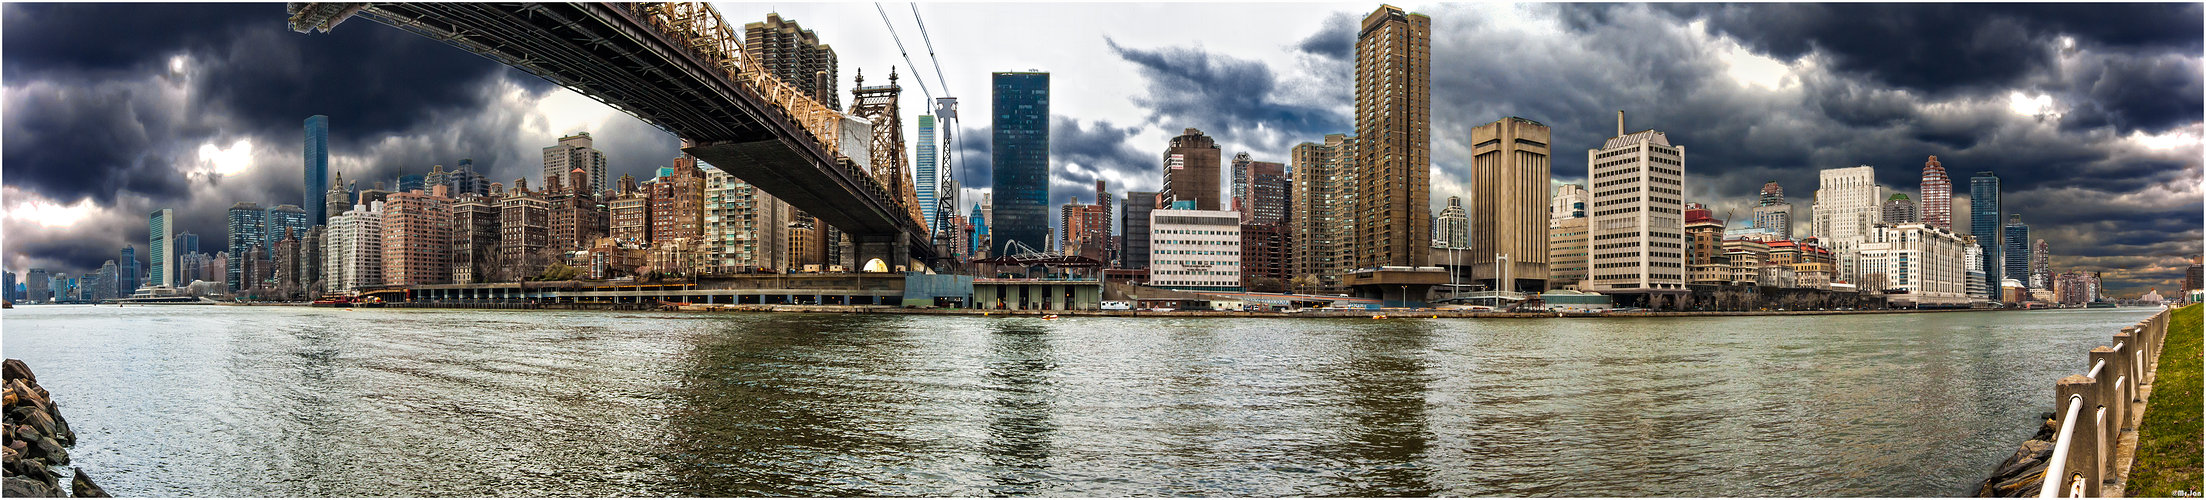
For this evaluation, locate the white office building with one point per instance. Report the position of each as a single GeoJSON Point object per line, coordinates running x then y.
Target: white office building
{"type": "Point", "coordinates": [1637, 229]}
{"type": "Point", "coordinates": [1917, 265]}
{"type": "Point", "coordinates": [1195, 249]}
{"type": "Point", "coordinates": [1847, 206]}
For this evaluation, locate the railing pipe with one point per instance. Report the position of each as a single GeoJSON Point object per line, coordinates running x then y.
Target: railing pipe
{"type": "Point", "coordinates": [2056, 465]}
{"type": "Point", "coordinates": [2069, 462]}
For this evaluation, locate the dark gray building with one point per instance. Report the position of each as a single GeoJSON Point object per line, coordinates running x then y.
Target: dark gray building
{"type": "Point", "coordinates": [1019, 157]}
{"type": "Point", "coordinates": [1133, 222]}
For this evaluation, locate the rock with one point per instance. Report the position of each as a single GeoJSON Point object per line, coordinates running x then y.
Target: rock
{"type": "Point", "coordinates": [23, 487]}
{"type": "Point", "coordinates": [51, 450]}
{"type": "Point", "coordinates": [39, 422]}
{"type": "Point", "coordinates": [9, 455]}
{"type": "Point", "coordinates": [15, 369]}
{"type": "Point", "coordinates": [82, 487]}
{"type": "Point", "coordinates": [2014, 486]}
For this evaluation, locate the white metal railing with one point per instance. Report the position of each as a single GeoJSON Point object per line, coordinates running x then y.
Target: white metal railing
{"type": "Point", "coordinates": [2083, 450]}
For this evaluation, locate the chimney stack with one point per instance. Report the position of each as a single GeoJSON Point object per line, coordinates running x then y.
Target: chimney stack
{"type": "Point", "coordinates": [1619, 123]}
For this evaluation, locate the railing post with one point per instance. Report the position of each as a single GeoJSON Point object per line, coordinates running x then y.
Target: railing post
{"type": "Point", "coordinates": [2083, 445]}
{"type": "Point", "coordinates": [2109, 396]}
{"type": "Point", "coordinates": [2131, 355]}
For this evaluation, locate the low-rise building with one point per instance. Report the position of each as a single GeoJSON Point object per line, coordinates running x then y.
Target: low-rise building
{"type": "Point", "coordinates": [1916, 265]}
{"type": "Point", "coordinates": [1195, 249]}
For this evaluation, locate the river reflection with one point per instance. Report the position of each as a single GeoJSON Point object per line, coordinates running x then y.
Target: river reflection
{"type": "Point", "coordinates": [232, 401]}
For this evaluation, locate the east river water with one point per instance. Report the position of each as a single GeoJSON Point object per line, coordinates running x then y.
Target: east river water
{"type": "Point", "coordinates": [283, 401]}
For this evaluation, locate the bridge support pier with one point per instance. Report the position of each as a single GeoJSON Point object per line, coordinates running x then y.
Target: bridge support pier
{"type": "Point", "coordinates": [893, 250]}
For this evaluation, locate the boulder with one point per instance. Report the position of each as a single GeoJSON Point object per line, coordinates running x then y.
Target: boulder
{"type": "Point", "coordinates": [15, 369]}
{"type": "Point", "coordinates": [39, 422]}
{"type": "Point", "coordinates": [51, 450]}
{"type": "Point", "coordinates": [82, 487]}
{"type": "Point", "coordinates": [24, 487]}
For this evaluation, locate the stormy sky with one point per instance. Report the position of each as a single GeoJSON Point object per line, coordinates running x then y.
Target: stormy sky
{"type": "Point", "coordinates": [2090, 114]}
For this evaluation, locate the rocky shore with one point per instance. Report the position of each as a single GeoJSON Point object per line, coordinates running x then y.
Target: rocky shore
{"type": "Point", "coordinates": [2023, 474]}
{"type": "Point", "coordinates": [38, 440]}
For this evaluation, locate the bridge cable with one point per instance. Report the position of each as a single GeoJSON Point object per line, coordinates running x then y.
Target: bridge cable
{"type": "Point", "coordinates": [931, 59]}
{"type": "Point", "coordinates": [900, 50]}
{"type": "Point", "coordinates": [937, 63]}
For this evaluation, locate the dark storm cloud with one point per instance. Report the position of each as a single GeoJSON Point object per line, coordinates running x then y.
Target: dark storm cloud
{"type": "Point", "coordinates": [252, 77]}
{"type": "Point", "coordinates": [1944, 49]}
{"type": "Point", "coordinates": [1337, 40]}
{"type": "Point", "coordinates": [1225, 96]}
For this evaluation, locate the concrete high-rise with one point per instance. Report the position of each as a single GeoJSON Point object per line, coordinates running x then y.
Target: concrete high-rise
{"type": "Point", "coordinates": [248, 229]}
{"type": "Point", "coordinates": [1984, 224]}
{"type": "Point", "coordinates": [2014, 249]}
{"type": "Point", "coordinates": [1191, 168]}
{"type": "Point", "coordinates": [353, 248]}
{"type": "Point", "coordinates": [1772, 212]}
{"type": "Point", "coordinates": [1393, 155]}
{"type": "Point", "coordinates": [161, 248]}
{"type": "Point", "coordinates": [37, 286]}
{"type": "Point", "coordinates": [1509, 200]}
{"type": "Point", "coordinates": [1265, 191]}
{"type": "Point", "coordinates": [317, 170]}
{"type": "Point", "coordinates": [417, 238]}
{"type": "Point", "coordinates": [1846, 207]}
{"type": "Point", "coordinates": [1455, 226]}
{"type": "Point", "coordinates": [1320, 215]}
{"type": "Point", "coordinates": [1898, 209]}
{"type": "Point", "coordinates": [1637, 224]}
{"type": "Point", "coordinates": [573, 152]}
{"type": "Point", "coordinates": [795, 56]}
{"type": "Point", "coordinates": [743, 228]}
{"type": "Point", "coordinates": [1916, 265]}
{"type": "Point", "coordinates": [1569, 202]}
{"type": "Point", "coordinates": [474, 238]}
{"type": "Point", "coordinates": [1937, 194]}
{"type": "Point", "coordinates": [1019, 156]}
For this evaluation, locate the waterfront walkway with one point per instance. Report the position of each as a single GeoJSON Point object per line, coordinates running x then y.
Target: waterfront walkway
{"type": "Point", "coordinates": [2168, 439]}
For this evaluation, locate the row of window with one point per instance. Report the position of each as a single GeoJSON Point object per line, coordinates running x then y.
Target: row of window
{"type": "Point", "coordinates": [1236, 271]}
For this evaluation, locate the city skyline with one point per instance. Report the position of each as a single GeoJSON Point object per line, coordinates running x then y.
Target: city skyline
{"type": "Point", "coordinates": [432, 104]}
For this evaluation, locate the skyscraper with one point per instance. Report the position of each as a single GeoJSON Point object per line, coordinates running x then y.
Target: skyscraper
{"type": "Point", "coordinates": [1508, 213]}
{"type": "Point", "coordinates": [1637, 225]}
{"type": "Point", "coordinates": [248, 229]}
{"type": "Point", "coordinates": [1264, 193]}
{"type": "Point", "coordinates": [1772, 212]}
{"type": "Point", "coordinates": [1320, 216]}
{"type": "Point", "coordinates": [417, 238]}
{"type": "Point", "coordinates": [2041, 276]}
{"type": "Point", "coordinates": [317, 170]}
{"type": "Point", "coordinates": [2015, 249]}
{"type": "Point", "coordinates": [7, 285]}
{"type": "Point", "coordinates": [1899, 210]}
{"type": "Point", "coordinates": [1393, 153]}
{"type": "Point", "coordinates": [1846, 207]}
{"type": "Point", "coordinates": [1133, 227]}
{"type": "Point", "coordinates": [337, 199]}
{"type": "Point", "coordinates": [795, 56]}
{"type": "Point", "coordinates": [1191, 171]}
{"type": "Point", "coordinates": [161, 247]}
{"type": "Point", "coordinates": [923, 168]}
{"type": "Point", "coordinates": [282, 217]}
{"type": "Point", "coordinates": [573, 152]}
{"type": "Point", "coordinates": [352, 250]}
{"type": "Point", "coordinates": [1937, 193]}
{"type": "Point", "coordinates": [1020, 160]}
{"type": "Point", "coordinates": [1984, 224]}
{"type": "Point", "coordinates": [464, 179]}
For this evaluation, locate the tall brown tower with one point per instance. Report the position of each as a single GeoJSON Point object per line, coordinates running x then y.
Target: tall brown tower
{"type": "Point", "coordinates": [1191, 167]}
{"type": "Point", "coordinates": [1508, 212]}
{"type": "Point", "coordinates": [1393, 127]}
{"type": "Point", "coordinates": [795, 56]}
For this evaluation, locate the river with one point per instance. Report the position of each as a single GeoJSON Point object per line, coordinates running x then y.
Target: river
{"type": "Point", "coordinates": [285, 401]}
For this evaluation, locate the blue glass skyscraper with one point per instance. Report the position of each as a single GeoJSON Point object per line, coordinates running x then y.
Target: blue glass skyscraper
{"type": "Point", "coordinates": [2015, 251]}
{"type": "Point", "coordinates": [248, 229]}
{"type": "Point", "coordinates": [317, 169]}
{"type": "Point", "coordinates": [925, 172]}
{"type": "Point", "coordinates": [1984, 223]}
{"type": "Point", "coordinates": [161, 247]}
{"type": "Point", "coordinates": [979, 222]}
{"type": "Point", "coordinates": [1019, 157]}
{"type": "Point", "coordinates": [126, 274]}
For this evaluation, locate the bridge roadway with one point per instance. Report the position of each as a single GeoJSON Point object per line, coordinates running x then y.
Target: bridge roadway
{"type": "Point", "coordinates": [627, 56]}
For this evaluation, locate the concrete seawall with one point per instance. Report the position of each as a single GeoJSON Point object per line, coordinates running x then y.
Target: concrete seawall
{"type": "Point", "coordinates": [1249, 314]}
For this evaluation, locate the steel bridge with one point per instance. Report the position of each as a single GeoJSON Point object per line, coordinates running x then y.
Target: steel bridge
{"type": "Point", "coordinates": [680, 67]}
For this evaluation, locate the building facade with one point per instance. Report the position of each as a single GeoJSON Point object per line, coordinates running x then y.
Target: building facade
{"type": "Point", "coordinates": [1638, 227]}
{"type": "Point", "coordinates": [1898, 209]}
{"type": "Point", "coordinates": [524, 233]}
{"type": "Point", "coordinates": [1020, 154]}
{"type": "Point", "coordinates": [1191, 168]}
{"type": "Point", "coordinates": [1568, 256]}
{"type": "Point", "coordinates": [1393, 155]}
{"type": "Point", "coordinates": [2041, 273]}
{"type": "Point", "coordinates": [743, 232]}
{"type": "Point", "coordinates": [1846, 208]}
{"type": "Point", "coordinates": [161, 248]}
{"type": "Point", "coordinates": [575, 152]}
{"type": "Point", "coordinates": [795, 56]}
{"type": "Point", "coordinates": [1454, 226]}
{"type": "Point", "coordinates": [1196, 249]}
{"type": "Point", "coordinates": [678, 202]}
{"type": "Point", "coordinates": [1772, 212]}
{"type": "Point", "coordinates": [1508, 216]}
{"type": "Point", "coordinates": [248, 226]}
{"type": "Point", "coordinates": [1984, 224]}
{"type": "Point", "coordinates": [1937, 193]}
{"type": "Point", "coordinates": [2015, 250]}
{"type": "Point", "coordinates": [417, 238]}
{"type": "Point", "coordinates": [1917, 265]}
{"type": "Point", "coordinates": [475, 236]}
{"type": "Point", "coordinates": [1569, 202]}
{"type": "Point", "coordinates": [317, 170]}
{"type": "Point", "coordinates": [353, 248]}
{"type": "Point", "coordinates": [1321, 216]}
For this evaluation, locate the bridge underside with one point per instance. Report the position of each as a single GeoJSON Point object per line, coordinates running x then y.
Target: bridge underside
{"type": "Point", "coordinates": [612, 53]}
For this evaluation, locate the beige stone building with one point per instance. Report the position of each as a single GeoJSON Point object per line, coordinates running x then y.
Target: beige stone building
{"type": "Point", "coordinates": [1638, 226]}
{"type": "Point", "coordinates": [1393, 125]}
{"type": "Point", "coordinates": [1319, 216]}
{"type": "Point", "coordinates": [1509, 204]}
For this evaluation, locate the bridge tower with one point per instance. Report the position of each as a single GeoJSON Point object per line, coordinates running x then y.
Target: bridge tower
{"type": "Point", "coordinates": [877, 104]}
